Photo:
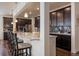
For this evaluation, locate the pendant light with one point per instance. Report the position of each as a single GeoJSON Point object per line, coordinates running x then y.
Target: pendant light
{"type": "Point", "coordinates": [26, 15]}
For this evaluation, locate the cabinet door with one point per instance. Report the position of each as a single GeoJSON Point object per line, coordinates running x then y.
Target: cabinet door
{"type": "Point", "coordinates": [21, 24]}
{"type": "Point", "coordinates": [53, 19]}
{"type": "Point", "coordinates": [67, 16]}
{"type": "Point", "coordinates": [37, 22]}
{"type": "Point", "coordinates": [60, 18]}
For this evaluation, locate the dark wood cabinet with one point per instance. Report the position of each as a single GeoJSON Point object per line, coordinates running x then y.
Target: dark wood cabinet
{"type": "Point", "coordinates": [7, 23]}
{"type": "Point", "coordinates": [23, 25]}
{"type": "Point", "coordinates": [37, 21]}
{"type": "Point", "coordinates": [61, 20]}
{"type": "Point", "coordinates": [23, 22]}
{"type": "Point", "coordinates": [64, 42]}
{"type": "Point", "coordinates": [5, 36]}
{"type": "Point", "coordinates": [7, 26]}
{"type": "Point", "coordinates": [53, 19]}
{"type": "Point", "coordinates": [67, 16]}
{"type": "Point", "coordinates": [60, 17]}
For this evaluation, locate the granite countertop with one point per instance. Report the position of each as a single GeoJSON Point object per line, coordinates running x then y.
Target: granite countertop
{"type": "Point", "coordinates": [32, 36]}
{"type": "Point", "coordinates": [28, 35]}
{"type": "Point", "coordinates": [52, 36]}
{"type": "Point", "coordinates": [60, 33]}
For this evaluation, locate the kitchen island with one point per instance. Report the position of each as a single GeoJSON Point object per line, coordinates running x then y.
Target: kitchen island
{"type": "Point", "coordinates": [34, 40]}
{"type": "Point", "coordinates": [28, 36]}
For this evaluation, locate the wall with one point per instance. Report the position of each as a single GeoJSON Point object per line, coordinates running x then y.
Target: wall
{"type": "Point", "coordinates": [77, 26]}
{"type": "Point", "coordinates": [74, 27]}
{"type": "Point", "coordinates": [1, 28]}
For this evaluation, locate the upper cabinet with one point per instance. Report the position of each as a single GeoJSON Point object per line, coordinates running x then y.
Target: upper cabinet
{"type": "Point", "coordinates": [24, 25]}
{"type": "Point", "coordinates": [37, 23]}
{"type": "Point", "coordinates": [60, 20]}
{"type": "Point", "coordinates": [67, 16]}
{"type": "Point", "coordinates": [53, 20]}
{"type": "Point", "coordinates": [60, 17]}
{"type": "Point", "coordinates": [7, 24]}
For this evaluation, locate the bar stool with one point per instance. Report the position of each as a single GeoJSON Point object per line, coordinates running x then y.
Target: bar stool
{"type": "Point", "coordinates": [11, 42]}
{"type": "Point", "coordinates": [21, 49]}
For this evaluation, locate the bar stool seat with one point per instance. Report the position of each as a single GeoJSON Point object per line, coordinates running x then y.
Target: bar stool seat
{"type": "Point", "coordinates": [24, 45]}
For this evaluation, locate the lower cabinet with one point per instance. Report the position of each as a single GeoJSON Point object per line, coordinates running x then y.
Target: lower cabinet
{"type": "Point", "coordinates": [5, 36]}
{"type": "Point", "coordinates": [52, 42]}
{"type": "Point", "coordinates": [64, 42]}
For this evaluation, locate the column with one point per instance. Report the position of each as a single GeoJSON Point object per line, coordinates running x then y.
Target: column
{"type": "Point", "coordinates": [33, 24]}
{"type": "Point", "coordinates": [1, 28]}
{"type": "Point", "coordinates": [73, 28]}
{"type": "Point", "coordinates": [14, 24]}
{"type": "Point", "coordinates": [44, 28]}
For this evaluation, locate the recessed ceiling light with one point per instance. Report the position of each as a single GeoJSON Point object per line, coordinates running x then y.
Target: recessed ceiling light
{"type": "Point", "coordinates": [54, 13]}
{"type": "Point", "coordinates": [26, 15]}
{"type": "Point", "coordinates": [67, 9]}
{"type": "Point", "coordinates": [37, 8]}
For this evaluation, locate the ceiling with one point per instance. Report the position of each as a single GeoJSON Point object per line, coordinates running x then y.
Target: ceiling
{"type": "Point", "coordinates": [6, 8]}
{"type": "Point", "coordinates": [33, 8]}
{"type": "Point", "coordinates": [55, 5]}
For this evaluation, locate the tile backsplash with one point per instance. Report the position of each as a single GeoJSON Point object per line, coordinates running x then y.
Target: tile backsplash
{"type": "Point", "coordinates": [61, 29]}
